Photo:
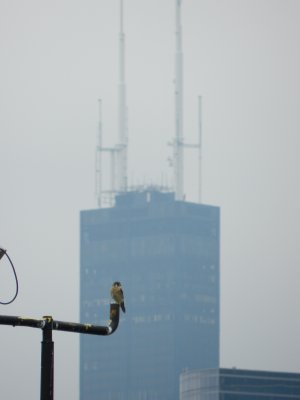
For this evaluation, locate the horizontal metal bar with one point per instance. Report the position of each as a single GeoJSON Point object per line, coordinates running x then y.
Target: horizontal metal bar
{"type": "Point", "coordinates": [80, 328]}
{"type": "Point", "coordinates": [21, 321]}
{"type": "Point", "coordinates": [67, 326]}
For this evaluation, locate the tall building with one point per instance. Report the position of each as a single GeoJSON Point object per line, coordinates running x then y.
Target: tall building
{"type": "Point", "coordinates": [239, 384]}
{"type": "Point", "coordinates": [166, 255]}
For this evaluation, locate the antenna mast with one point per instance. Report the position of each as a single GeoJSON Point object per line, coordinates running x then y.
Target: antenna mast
{"type": "Point", "coordinates": [98, 182]}
{"type": "Point", "coordinates": [200, 147]}
{"type": "Point", "coordinates": [118, 153]}
{"type": "Point", "coordinates": [122, 111]}
{"type": "Point", "coordinates": [178, 141]}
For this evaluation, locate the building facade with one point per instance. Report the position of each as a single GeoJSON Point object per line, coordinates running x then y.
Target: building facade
{"type": "Point", "coordinates": [239, 384]}
{"type": "Point", "coordinates": [166, 255]}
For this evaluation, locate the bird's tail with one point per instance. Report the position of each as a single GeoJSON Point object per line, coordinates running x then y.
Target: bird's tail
{"type": "Point", "coordinates": [123, 307]}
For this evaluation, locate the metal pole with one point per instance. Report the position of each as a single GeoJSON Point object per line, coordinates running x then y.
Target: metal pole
{"type": "Point", "coordinates": [98, 177]}
{"type": "Point", "coordinates": [178, 141]}
{"type": "Point", "coordinates": [47, 361]}
{"type": "Point", "coordinates": [122, 145]}
{"type": "Point", "coordinates": [200, 147]}
{"type": "Point", "coordinates": [47, 324]}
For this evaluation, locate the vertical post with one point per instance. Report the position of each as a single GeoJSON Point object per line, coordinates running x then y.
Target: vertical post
{"type": "Point", "coordinates": [47, 360]}
{"type": "Point", "coordinates": [200, 146]}
{"type": "Point", "coordinates": [113, 156]}
{"type": "Point", "coordinates": [178, 142]}
{"type": "Point", "coordinates": [122, 151]}
{"type": "Point", "coordinates": [98, 177]}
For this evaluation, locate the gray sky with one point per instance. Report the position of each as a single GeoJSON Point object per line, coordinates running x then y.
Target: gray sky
{"type": "Point", "coordinates": [57, 59]}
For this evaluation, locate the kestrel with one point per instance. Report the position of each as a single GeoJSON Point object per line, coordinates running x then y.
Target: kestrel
{"type": "Point", "coordinates": [117, 294]}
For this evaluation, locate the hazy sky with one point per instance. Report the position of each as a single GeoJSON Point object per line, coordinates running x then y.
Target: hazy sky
{"type": "Point", "coordinates": [57, 59]}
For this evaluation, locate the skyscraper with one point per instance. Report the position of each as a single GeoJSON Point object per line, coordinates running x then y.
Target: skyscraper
{"type": "Point", "coordinates": [166, 255]}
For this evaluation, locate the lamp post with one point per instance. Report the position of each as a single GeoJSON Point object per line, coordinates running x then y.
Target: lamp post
{"type": "Point", "coordinates": [47, 324]}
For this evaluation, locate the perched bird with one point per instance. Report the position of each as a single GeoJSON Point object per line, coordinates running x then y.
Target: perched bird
{"type": "Point", "coordinates": [117, 294]}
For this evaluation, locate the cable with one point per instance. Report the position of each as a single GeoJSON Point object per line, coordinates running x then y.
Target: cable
{"type": "Point", "coordinates": [2, 251]}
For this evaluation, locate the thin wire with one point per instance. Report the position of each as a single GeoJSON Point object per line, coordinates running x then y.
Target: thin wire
{"type": "Point", "coordinates": [17, 283]}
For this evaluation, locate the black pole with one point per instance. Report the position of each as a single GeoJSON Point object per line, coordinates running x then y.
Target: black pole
{"type": "Point", "coordinates": [47, 361]}
{"type": "Point", "coordinates": [47, 324]}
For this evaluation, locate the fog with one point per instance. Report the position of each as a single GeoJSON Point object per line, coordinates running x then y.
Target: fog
{"type": "Point", "coordinates": [57, 59]}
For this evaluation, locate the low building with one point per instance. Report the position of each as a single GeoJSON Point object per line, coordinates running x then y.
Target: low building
{"type": "Point", "coordinates": [239, 384]}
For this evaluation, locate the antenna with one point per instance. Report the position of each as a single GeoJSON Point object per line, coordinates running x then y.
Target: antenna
{"type": "Point", "coordinates": [104, 196]}
{"type": "Point", "coordinates": [122, 145]}
{"type": "Point", "coordinates": [178, 141]}
{"type": "Point", "coordinates": [118, 153]}
{"type": "Point", "coordinates": [98, 182]}
{"type": "Point", "coordinates": [200, 147]}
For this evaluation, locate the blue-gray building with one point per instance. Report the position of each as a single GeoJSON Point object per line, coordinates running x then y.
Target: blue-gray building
{"type": "Point", "coordinates": [239, 384]}
{"type": "Point", "coordinates": [166, 255]}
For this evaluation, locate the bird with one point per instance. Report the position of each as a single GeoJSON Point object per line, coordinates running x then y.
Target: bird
{"type": "Point", "coordinates": [117, 294]}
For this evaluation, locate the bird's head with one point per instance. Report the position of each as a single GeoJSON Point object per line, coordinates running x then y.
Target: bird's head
{"type": "Point", "coordinates": [118, 284]}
